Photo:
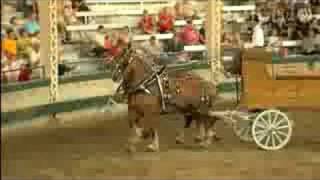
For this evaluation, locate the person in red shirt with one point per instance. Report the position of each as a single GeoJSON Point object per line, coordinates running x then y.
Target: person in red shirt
{"type": "Point", "coordinates": [25, 73]}
{"type": "Point", "coordinates": [166, 21]}
{"type": "Point", "coordinates": [189, 34]}
{"type": "Point", "coordinates": [146, 23]}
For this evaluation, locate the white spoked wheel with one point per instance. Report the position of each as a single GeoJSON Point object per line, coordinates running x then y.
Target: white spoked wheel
{"type": "Point", "coordinates": [272, 130]}
{"type": "Point", "coordinates": [242, 123]}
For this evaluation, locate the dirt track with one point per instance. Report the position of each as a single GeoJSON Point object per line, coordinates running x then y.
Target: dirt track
{"type": "Point", "coordinates": [94, 150]}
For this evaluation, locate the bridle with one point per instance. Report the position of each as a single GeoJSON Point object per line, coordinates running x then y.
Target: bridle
{"type": "Point", "coordinates": [145, 83]}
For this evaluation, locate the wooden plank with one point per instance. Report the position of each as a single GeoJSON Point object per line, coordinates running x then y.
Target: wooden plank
{"type": "Point", "coordinates": [147, 37]}
{"type": "Point", "coordinates": [94, 27]}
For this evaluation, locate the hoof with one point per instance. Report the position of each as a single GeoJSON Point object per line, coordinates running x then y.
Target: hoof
{"type": "Point", "coordinates": [216, 138]}
{"type": "Point", "coordinates": [197, 139]}
{"type": "Point", "coordinates": [179, 141]}
{"type": "Point", "coordinates": [204, 144]}
{"type": "Point", "coordinates": [152, 148]}
{"type": "Point", "coordinates": [130, 149]}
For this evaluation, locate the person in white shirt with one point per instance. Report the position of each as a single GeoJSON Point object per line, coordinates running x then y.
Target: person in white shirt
{"type": "Point", "coordinates": [152, 48]}
{"type": "Point", "coordinates": [258, 34]}
{"type": "Point", "coordinates": [34, 54]}
{"type": "Point", "coordinates": [274, 40]}
{"type": "Point", "coordinates": [309, 43]}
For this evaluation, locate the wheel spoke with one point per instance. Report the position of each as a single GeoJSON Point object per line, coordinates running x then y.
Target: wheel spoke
{"type": "Point", "coordinates": [264, 121]}
{"type": "Point", "coordinates": [247, 132]}
{"type": "Point", "coordinates": [267, 140]}
{"type": "Point", "coordinates": [279, 122]}
{"type": "Point", "coordinates": [270, 118]}
{"type": "Point", "coordinates": [282, 133]}
{"type": "Point", "coordinates": [278, 137]}
{"type": "Point", "coordinates": [282, 127]}
{"type": "Point", "coordinates": [273, 142]}
{"type": "Point", "coordinates": [260, 126]}
{"type": "Point", "coordinates": [260, 138]}
{"type": "Point", "coordinates": [275, 118]}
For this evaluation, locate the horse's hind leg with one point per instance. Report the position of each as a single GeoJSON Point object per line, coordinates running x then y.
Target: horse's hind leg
{"type": "Point", "coordinates": [210, 133]}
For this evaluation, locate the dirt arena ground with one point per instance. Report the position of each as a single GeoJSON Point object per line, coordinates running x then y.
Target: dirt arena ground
{"type": "Point", "coordinates": [90, 145]}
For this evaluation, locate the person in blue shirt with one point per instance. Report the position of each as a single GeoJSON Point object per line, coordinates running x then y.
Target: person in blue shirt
{"type": "Point", "coordinates": [32, 26]}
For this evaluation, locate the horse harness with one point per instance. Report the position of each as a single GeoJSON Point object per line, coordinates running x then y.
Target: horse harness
{"type": "Point", "coordinates": [161, 78]}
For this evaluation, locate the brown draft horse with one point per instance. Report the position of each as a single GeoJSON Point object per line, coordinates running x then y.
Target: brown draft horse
{"type": "Point", "coordinates": [151, 92]}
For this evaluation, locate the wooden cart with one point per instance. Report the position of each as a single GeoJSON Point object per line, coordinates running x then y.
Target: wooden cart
{"type": "Point", "coordinates": [270, 87]}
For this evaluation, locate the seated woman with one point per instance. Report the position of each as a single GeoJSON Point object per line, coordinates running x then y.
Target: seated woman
{"type": "Point", "coordinates": [189, 34]}
{"type": "Point", "coordinates": [166, 21]}
{"type": "Point", "coordinates": [146, 24]}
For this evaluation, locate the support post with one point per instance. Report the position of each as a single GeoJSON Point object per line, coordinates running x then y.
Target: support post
{"type": "Point", "coordinates": [214, 28]}
{"type": "Point", "coordinates": [49, 45]}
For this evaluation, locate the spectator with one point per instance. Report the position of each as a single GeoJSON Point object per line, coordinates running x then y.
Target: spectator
{"type": "Point", "coordinates": [34, 55]}
{"type": "Point", "coordinates": [125, 35]}
{"type": "Point", "coordinates": [70, 18]}
{"type": "Point", "coordinates": [202, 32]}
{"type": "Point", "coordinates": [178, 11]}
{"type": "Point", "coordinates": [166, 21]}
{"type": "Point", "coordinates": [24, 42]}
{"type": "Point", "coordinates": [274, 40]}
{"type": "Point", "coordinates": [188, 9]}
{"type": "Point", "coordinates": [69, 14]}
{"type": "Point", "coordinates": [83, 6]}
{"type": "Point", "coordinates": [116, 48]}
{"type": "Point", "coordinates": [16, 24]}
{"type": "Point", "coordinates": [152, 48]}
{"type": "Point", "coordinates": [99, 42]}
{"type": "Point", "coordinates": [146, 23]}
{"type": "Point", "coordinates": [25, 73]}
{"type": "Point", "coordinates": [32, 26]}
{"type": "Point", "coordinates": [9, 43]}
{"type": "Point", "coordinates": [107, 43]}
{"type": "Point", "coordinates": [80, 6]}
{"type": "Point", "coordinates": [309, 43]}
{"type": "Point", "coordinates": [227, 39]}
{"type": "Point", "coordinates": [189, 34]}
{"type": "Point", "coordinates": [258, 34]}
{"type": "Point", "coordinates": [11, 69]}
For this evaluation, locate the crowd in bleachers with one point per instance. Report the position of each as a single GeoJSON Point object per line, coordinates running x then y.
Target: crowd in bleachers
{"type": "Point", "coordinates": [20, 47]}
{"type": "Point", "coordinates": [270, 24]}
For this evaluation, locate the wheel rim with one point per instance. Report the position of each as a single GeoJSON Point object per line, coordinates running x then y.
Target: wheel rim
{"type": "Point", "coordinates": [272, 130]}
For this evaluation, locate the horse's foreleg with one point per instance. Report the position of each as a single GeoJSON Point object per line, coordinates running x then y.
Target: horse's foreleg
{"type": "Point", "coordinates": [136, 132]}
{"type": "Point", "coordinates": [180, 135]}
{"type": "Point", "coordinates": [201, 130]}
{"type": "Point", "coordinates": [154, 146]}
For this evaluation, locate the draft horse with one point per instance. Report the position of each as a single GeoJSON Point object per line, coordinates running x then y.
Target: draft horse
{"type": "Point", "coordinates": [151, 92]}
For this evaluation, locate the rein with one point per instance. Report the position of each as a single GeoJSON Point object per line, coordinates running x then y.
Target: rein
{"type": "Point", "coordinates": [147, 81]}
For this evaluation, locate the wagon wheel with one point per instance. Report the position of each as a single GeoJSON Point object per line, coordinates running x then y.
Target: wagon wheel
{"type": "Point", "coordinates": [272, 130]}
{"type": "Point", "coordinates": [242, 123]}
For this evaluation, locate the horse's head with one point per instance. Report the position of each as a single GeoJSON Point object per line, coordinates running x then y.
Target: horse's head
{"type": "Point", "coordinates": [121, 64]}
